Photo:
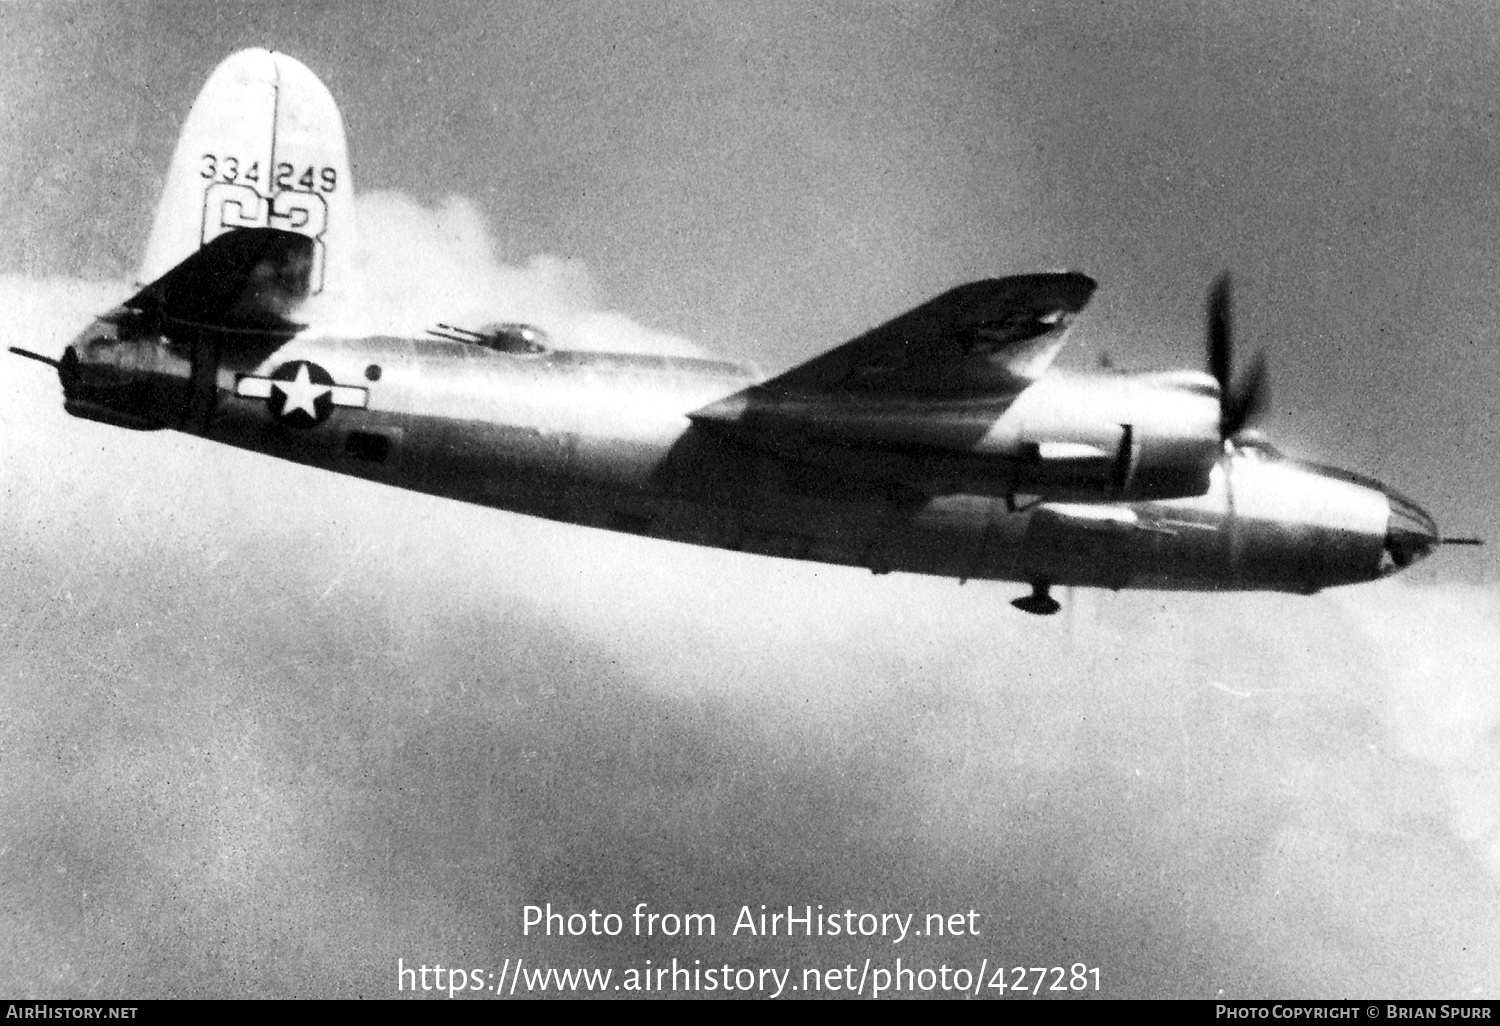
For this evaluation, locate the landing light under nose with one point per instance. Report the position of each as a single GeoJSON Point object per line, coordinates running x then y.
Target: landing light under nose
{"type": "Point", "coordinates": [1410, 534]}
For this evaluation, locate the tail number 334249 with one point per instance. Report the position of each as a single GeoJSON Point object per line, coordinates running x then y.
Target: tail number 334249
{"type": "Point", "coordinates": [218, 168]}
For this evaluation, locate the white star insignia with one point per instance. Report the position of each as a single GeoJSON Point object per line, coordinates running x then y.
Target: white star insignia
{"type": "Point", "coordinates": [301, 393]}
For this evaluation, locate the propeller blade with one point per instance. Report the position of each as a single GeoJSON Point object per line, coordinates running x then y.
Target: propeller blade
{"type": "Point", "coordinates": [1247, 400]}
{"type": "Point", "coordinates": [1220, 342]}
{"type": "Point", "coordinates": [1241, 401]}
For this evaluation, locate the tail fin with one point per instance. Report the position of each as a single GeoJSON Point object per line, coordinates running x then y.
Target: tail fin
{"type": "Point", "coordinates": [263, 147]}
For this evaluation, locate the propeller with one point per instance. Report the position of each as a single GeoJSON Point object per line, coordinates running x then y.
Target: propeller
{"type": "Point", "coordinates": [1243, 400]}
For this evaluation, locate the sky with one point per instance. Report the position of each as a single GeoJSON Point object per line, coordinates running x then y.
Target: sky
{"type": "Point", "coordinates": [266, 731]}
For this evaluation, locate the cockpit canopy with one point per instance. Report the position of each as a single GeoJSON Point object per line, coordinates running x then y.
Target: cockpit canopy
{"type": "Point", "coordinates": [521, 339]}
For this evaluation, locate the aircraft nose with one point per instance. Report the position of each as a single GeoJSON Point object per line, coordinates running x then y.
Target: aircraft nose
{"type": "Point", "coordinates": [1410, 534]}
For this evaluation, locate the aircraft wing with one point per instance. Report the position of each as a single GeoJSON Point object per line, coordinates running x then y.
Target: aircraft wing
{"type": "Point", "coordinates": [917, 391]}
{"type": "Point", "coordinates": [988, 338]}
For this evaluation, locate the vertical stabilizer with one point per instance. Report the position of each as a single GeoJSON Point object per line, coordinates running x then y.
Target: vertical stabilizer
{"type": "Point", "coordinates": [263, 147]}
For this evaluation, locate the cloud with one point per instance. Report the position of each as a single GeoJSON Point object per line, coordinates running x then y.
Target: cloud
{"type": "Point", "coordinates": [424, 265]}
{"type": "Point", "coordinates": [1443, 704]}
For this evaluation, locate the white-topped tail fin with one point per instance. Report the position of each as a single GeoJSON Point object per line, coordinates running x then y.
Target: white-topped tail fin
{"type": "Point", "coordinates": [263, 147]}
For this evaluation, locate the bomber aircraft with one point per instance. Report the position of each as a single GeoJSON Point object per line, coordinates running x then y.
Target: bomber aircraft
{"type": "Point", "coordinates": [941, 442]}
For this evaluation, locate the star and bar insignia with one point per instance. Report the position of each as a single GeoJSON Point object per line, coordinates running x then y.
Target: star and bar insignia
{"type": "Point", "coordinates": [301, 394]}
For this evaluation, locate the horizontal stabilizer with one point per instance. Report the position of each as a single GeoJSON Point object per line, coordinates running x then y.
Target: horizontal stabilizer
{"type": "Point", "coordinates": [249, 279]}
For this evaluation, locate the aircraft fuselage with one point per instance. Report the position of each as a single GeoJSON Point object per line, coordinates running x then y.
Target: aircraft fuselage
{"type": "Point", "coordinates": [605, 440]}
